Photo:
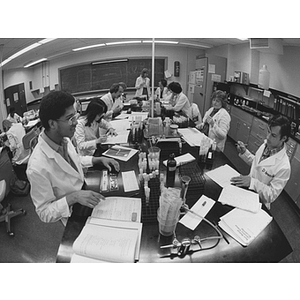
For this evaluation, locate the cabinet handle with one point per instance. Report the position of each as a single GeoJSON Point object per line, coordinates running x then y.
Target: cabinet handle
{"type": "Point", "coordinates": [260, 137]}
{"type": "Point", "coordinates": [256, 144]}
{"type": "Point", "coordinates": [261, 127]}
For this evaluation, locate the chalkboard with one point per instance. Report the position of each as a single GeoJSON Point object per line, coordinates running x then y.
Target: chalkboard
{"type": "Point", "coordinates": [90, 77]}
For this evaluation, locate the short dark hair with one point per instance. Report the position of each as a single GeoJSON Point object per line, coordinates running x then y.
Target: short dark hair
{"type": "Point", "coordinates": [164, 82]}
{"type": "Point", "coordinates": [144, 71]}
{"type": "Point", "coordinates": [53, 106]}
{"type": "Point", "coordinates": [94, 108]}
{"type": "Point", "coordinates": [284, 123]}
{"type": "Point", "coordinates": [221, 96]}
{"type": "Point", "coordinates": [175, 87]}
{"type": "Point", "coordinates": [115, 88]}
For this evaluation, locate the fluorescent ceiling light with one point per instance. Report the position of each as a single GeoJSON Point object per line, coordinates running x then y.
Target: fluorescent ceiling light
{"type": "Point", "coordinates": [88, 47]}
{"type": "Point", "coordinates": [109, 61]}
{"type": "Point", "coordinates": [44, 41]}
{"type": "Point", "coordinates": [35, 62]}
{"type": "Point", "coordinates": [195, 45]}
{"type": "Point", "coordinates": [161, 42]}
{"type": "Point", "coordinates": [123, 42]}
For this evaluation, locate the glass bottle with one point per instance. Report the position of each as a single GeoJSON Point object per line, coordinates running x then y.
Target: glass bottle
{"type": "Point", "coordinates": [171, 169]}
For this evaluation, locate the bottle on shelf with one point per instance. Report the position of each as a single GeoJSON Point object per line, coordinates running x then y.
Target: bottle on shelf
{"type": "Point", "coordinates": [171, 170]}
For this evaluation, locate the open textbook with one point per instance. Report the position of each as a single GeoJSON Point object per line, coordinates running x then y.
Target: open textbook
{"type": "Point", "coordinates": [244, 226]}
{"type": "Point", "coordinates": [112, 233]}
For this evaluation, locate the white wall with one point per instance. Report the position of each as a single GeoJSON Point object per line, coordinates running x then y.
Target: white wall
{"type": "Point", "coordinates": [186, 57]}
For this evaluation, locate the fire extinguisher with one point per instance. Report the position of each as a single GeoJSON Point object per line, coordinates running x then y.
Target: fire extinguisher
{"type": "Point", "coordinates": [176, 68]}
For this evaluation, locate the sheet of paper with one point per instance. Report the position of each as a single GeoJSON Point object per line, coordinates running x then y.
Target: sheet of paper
{"type": "Point", "coordinates": [222, 175]}
{"type": "Point", "coordinates": [121, 138]}
{"type": "Point", "coordinates": [119, 208]}
{"type": "Point", "coordinates": [120, 125]}
{"type": "Point", "coordinates": [201, 207]}
{"type": "Point", "coordinates": [192, 136]}
{"type": "Point", "coordinates": [239, 197]}
{"type": "Point", "coordinates": [123, 158]}
{"type": "Point", "coordinates": [129, 181]}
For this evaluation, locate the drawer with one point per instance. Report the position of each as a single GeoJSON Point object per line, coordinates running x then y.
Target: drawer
{"type": "Point", "coordinates": [254, 144]}
{"type": "Point", "coordinates": [259, 128]}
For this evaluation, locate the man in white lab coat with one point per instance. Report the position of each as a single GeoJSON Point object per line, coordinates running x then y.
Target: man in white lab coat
{"type": "Point", "coordinates": [55, 170]}
{"type": "Point", "coordinates": [270, 166]}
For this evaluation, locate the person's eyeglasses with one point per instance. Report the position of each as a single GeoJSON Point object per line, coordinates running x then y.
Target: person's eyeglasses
{"type": "Point", "coordinates": [71, 120]}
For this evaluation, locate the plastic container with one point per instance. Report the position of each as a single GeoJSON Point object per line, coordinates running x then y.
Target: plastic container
{"type": "Point", "coordinates": [264, 78]}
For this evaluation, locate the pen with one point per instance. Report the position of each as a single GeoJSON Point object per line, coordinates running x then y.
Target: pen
{"type": "Point", "coordinates": [239, 144]}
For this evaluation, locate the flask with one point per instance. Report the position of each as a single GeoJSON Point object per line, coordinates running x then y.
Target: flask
{"type": "Point", "coordinates": [264, 78]}
{"type": "Point", "coordinates": [171, 169]}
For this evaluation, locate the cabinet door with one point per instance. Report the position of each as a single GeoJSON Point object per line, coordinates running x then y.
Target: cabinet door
{"type": "Point", "coordinates": [253, 144]}
{"type": "Point", "coordinates": [233, 127]}
{"type": "Point", "coordinates": [243, 132]}
{"type": "Point", "coordinates": [293, 185]}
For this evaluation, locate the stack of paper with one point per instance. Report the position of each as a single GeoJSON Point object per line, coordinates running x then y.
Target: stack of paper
{"type": "Point", "coordinates": [112, 233]}
{"type": "Point", "coordinates": [244, 226]}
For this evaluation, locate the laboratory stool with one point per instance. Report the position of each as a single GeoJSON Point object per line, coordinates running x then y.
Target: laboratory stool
{"type": "Point", "coordinates": [6, 213]}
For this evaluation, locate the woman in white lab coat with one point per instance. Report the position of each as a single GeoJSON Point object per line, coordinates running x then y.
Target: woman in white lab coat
{"type": "Point", "coordinates": [216, 121]}
{"type": "Point", "coordinates": [142, 84]}
{"type": "Point", "coordinates": [87, 135]}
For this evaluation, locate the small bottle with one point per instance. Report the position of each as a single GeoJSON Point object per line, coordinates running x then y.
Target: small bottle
{"type": "Point", "coordinates": [171, 170]}
{"type": "Point", "coordinates": [210, 158]}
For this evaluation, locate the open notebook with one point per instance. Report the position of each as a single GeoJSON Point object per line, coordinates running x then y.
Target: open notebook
{"type": "Point", "coordinates": [112, 233]}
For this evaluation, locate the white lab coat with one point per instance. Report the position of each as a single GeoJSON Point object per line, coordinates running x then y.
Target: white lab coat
{"type": "Point", "coordinates": [269, 177]}
{"type": "Point", "coordinates": [111, 105]}
{"type": "Point", "coordinates": [146, 84]}
{"type": "Point", "coordinates": [52, 178]}
{"type": "Point", "coordinates": [219, 131]}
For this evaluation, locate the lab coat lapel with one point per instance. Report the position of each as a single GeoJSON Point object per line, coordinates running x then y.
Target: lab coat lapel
{"type": "Point", "coordinates": [271, 161]}
{"type": "Point", "coordinates": [60, 161]}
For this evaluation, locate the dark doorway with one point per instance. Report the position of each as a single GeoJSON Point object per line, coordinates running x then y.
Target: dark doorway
{"type": "Point", "coordinates": [15, 97]}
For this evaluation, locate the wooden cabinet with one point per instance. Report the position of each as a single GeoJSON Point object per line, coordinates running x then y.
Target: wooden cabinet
{"type": "Point", "coordinates": [240, 125]}
{"type": "Point", "coordinates": [293, 185]}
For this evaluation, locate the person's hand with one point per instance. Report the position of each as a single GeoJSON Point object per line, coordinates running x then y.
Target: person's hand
{"type": "Point", "coordinates": [240, 147]}
{"type": "Point", "coordinates": [107, 162]}
{"type": "Point", "coordinates": [109, 114]}
{"type": "Point", "coordinates": [200, 126]}
{"type": "Point", "coordinates": [210, 121]}
{"type": "Point", "coordinates": [112, 132]}
{"type": "Point", "coordinates": [86, 198]}
{"type": "Point", "coordinates": [241, 181]}
{"type": "Point", "coordinates": [101, 139]}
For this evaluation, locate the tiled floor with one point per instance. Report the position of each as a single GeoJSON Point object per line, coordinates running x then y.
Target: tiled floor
{"type": "Point", "coordinates": [37, 242]}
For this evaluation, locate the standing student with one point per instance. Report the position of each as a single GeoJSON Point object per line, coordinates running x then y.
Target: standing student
{"type": "Point", "coordinates": [216, 121]}
{"type": "Point", "coordinates": [87, 135]}
{"type": "Point", "coordinates": [113, 100]}
{"type": "Point", "coordinates": [13, 117]}
{"type": "Point", "coordinates": [270, 166]}
{"type": "Point", "coordinates": [142, 84]}
{"type": "Point", "coordinates": [54, 168]}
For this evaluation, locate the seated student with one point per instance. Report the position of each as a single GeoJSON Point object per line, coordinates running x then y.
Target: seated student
{"type": "Point", "coordinates": [55, 170]}
{"type": "Point", "coordinates": [113, 101]}
{"type": "Point", "coordinates": [270, 166]}
{"type": "Point", "coordinates": [179, 101]}
{"type": "Point", "coordinates": [15, 133]}
{"type": "Point", "coordinates": [162, 90]}
{"type": "Point", "coordinates": [216, 121]}
{"type": "Point", "coordinates": [87, 134]}
{"type": "Point", "coordinates": [13, 117]}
